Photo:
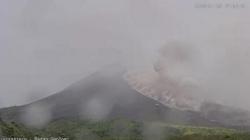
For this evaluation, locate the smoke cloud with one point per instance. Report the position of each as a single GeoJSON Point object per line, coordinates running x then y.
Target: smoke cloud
{"type": "Point", "coordinates": [36, 116]}
{"type": "Point", "coordinates": [96, 109]}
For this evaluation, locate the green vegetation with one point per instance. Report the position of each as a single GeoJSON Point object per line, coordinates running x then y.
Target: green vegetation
{"type": "Point", "coordinates": [120, 129]}
{"type": "Point", "coordinates": [13, 130]}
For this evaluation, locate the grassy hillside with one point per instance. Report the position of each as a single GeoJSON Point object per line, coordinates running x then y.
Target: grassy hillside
{"type": "Point", "coordinates": [120, 129]}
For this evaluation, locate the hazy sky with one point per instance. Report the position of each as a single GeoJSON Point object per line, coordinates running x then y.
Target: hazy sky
{"type": "Point", "coordinates": [45, 45]}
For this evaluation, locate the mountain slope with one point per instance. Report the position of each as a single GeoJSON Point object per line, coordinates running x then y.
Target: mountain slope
{"type": "Point", "coordinates": [103, 95]}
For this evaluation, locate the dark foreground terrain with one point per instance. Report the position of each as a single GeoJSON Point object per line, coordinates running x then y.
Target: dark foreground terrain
{"type": "Point", "coordinates": [119, 129]}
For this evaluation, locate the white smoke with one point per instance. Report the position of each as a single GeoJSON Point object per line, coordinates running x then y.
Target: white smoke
{"type": "Point", "coordinates": [96, 109]}
{"type": "Point", "coordinates": [36, 116]}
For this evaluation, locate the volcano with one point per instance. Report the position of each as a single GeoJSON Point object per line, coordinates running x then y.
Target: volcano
{"type": "Point", "coordinates": [103, 95]}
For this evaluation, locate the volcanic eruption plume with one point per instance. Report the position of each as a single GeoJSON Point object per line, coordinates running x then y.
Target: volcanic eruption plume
{"type": "Point", "coordinates": [171, 80]}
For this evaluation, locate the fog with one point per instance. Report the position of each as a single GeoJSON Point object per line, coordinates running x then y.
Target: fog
{"type": "Point", "coordinates": [37, 116]}
{"type": "Point", "coordinates": [46, 45]}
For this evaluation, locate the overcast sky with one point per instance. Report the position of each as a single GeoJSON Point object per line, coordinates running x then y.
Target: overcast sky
{"type": "Point", "coordinates": [45, 45]}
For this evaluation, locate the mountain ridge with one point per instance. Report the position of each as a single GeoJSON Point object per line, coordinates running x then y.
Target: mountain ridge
{"type": "Point", "coordinates": [103, 95]}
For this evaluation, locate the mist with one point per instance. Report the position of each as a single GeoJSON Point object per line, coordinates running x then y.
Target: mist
{"type": "Point", "coordinates": [46, 45]}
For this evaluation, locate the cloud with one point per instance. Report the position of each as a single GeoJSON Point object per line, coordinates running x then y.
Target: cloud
{"type": "Point", "coordinates": [36, 116]}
